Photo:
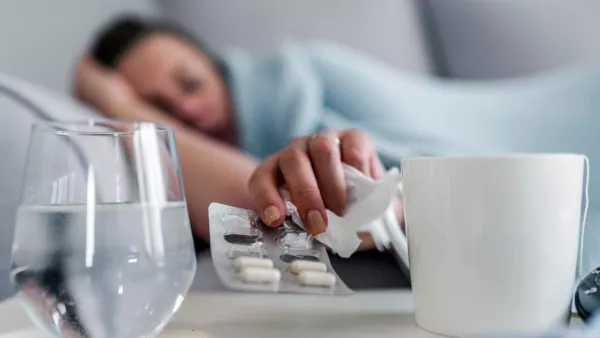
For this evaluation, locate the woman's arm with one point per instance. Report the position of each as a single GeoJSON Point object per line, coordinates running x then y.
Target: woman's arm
{"type": "Point", "coordinates": [212, 172]}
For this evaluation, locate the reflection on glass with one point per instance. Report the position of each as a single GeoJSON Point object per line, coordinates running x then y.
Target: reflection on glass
{"type": "Point", "coordinates": [103, 245]}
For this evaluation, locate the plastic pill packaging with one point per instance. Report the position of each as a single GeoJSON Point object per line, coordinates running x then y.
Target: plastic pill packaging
{"type": "Point", "coordinates": [250, 256]}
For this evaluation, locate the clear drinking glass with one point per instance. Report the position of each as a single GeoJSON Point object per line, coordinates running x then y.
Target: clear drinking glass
{"type": "Point", "coordinates": [103, 246]}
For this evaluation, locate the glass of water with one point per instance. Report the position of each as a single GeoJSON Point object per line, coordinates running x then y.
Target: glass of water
{"type": "Point", "coordinates": [103, 246]}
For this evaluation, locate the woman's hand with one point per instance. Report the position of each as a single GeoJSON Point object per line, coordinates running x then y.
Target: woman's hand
{"type": "Point", "coordinates": [311, 169]}
{"type": "Point", "coordinates": [99, 86]}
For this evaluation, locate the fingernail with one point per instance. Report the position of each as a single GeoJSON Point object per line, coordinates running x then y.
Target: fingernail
{"type": "Point", "coordinates": [316, 223]}
{"type": "Point", "coordinates": [271, 214]}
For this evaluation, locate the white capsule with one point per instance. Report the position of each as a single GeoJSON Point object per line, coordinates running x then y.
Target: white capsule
{"type": "Point", "coordinates": [315, 278]}
{"type": "Point", "coordinates": [300, 265]}
{"type": "Point", "coordinates": [260, 275]}
{"type": "Point", "coordinates": [256, 262]}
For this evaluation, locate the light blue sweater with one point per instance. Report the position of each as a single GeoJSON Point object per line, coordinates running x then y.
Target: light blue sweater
{"type": "Point", "coordinates": [304, 88]}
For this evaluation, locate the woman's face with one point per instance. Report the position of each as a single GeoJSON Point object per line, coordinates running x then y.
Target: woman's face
{"type": "Point", "coordinates": [177, 78]}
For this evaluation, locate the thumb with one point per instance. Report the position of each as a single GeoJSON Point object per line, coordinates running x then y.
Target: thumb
{"type": "Point", "coordinates": [265, 193]}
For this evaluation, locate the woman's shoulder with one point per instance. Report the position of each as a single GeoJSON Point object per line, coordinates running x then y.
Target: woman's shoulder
{"type": "Point", "coordinates": [286, 56]}
{"type": "Point", "coordinates": [284, 70]}
{"type": "Point", "coordinates": [281, 88]}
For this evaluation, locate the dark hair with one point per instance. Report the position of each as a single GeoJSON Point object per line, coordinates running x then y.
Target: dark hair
{"type": "Point", "coordinates": [121, 34]}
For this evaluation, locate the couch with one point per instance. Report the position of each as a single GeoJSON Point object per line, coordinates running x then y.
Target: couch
{"type": "Point", "coordinates": [22, 104]}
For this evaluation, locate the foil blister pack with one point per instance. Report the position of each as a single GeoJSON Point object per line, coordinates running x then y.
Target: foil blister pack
{"type": "Point", "coordinates": [250, 256]}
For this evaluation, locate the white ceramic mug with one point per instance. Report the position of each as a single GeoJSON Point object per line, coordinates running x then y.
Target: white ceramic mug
{"type": "Point", "coordinates": [493, 240]}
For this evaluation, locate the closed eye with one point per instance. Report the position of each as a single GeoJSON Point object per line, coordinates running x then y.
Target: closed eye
{"type": "Point", "coordinates": [190, 84]}
{"type": "Point", "coordinates": [160, 104]}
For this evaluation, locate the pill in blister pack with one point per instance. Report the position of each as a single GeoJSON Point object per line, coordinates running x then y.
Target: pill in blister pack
{"type": "Point", "coordinates": [316, 278]}
{"type": "Point", "coordinates": [260, 275]}
{"type": "Point", "coordinates": [298, 266]}
{"type": "Point", "coordinates": [248, 262]}
{"type": "Point", "coordinates": [250, 256]}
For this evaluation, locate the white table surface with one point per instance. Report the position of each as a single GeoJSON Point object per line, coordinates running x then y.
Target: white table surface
{"type": "Point", "coordinates": [224, 314]}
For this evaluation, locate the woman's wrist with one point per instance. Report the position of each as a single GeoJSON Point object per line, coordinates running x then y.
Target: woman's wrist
{"type": "Point", "coordinates": [115, 106]}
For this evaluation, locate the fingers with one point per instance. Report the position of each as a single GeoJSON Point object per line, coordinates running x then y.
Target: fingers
{"type": "Point", "coordinates": [297, 171]}
{"type": "Point", "coordinates": [399, 211]}
{"type": "Point", "coordinates": [366, 241]}
{"type": "Point", "coordinates": [312, 171]}
{"type": "Point", "coordinates": [377, 168]}
{"type": "Point", "coordinates": [326, 160]}
{"type": "Point", "coordinates": [357, 150]}
{"type": "Point", "coordinates": [265, 193]}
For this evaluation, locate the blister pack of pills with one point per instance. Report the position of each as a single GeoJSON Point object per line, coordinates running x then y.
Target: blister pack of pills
{"type": "Point", "coordinates": [250, 256]}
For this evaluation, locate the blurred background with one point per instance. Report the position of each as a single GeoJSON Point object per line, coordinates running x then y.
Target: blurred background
{"type": "Point", "coordinates": [467, 39]}
{"type": "Point", "coordinates": [454, 38]}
